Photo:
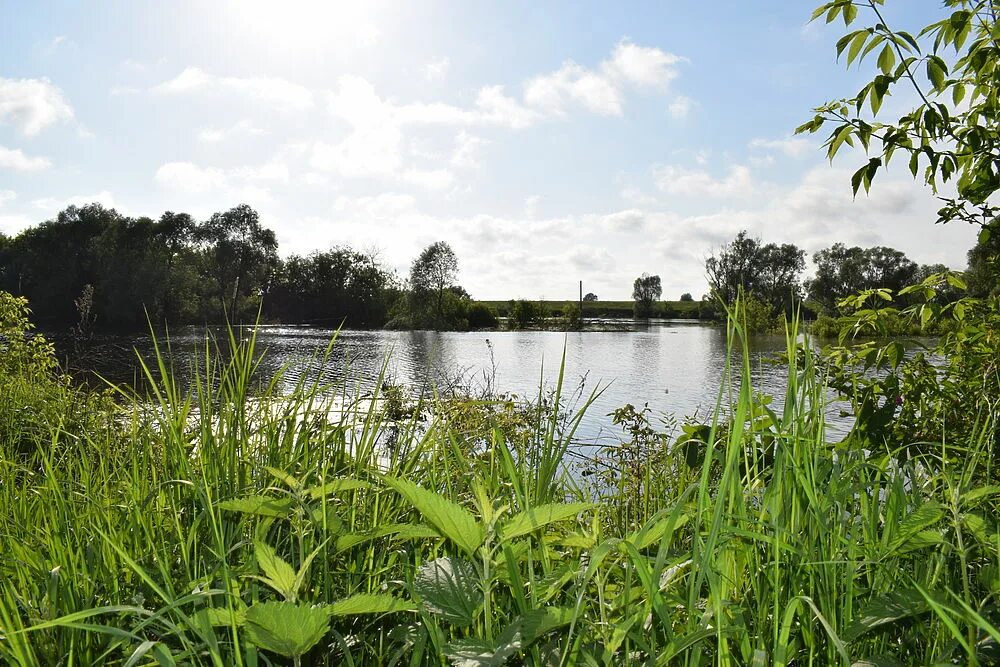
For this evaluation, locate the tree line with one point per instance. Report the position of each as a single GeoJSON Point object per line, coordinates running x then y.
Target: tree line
{"type": "Point", "coordinates": [771, 274]}
{"type": "Point", "coordinates": [93, 268]}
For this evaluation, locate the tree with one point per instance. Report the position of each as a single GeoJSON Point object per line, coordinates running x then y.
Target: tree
{"type": "Point", "coordinates": [432, 273]}
{"type": "Point", "coordinates": [769, 272]}
{"type": "Point", "coordinates": [241, 255]}
{"type": "Point", "coordinates": [843, 271]}
{"type": "Point", "coordinates": [983, 274]}
{"type": "Point", "coordinates": [646, 290]}
{"type": "Point", "coordinates": [953, 132]}
{"type": "Point", "coordinates": [590, 297]}
{"type": "Point", "coordinates": [687, 297]}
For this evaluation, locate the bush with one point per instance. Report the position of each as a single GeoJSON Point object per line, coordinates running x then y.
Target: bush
{"type": "Point", "coordinates": [524, 313]}
{"type": "Point", "coordinates": [481, 316]}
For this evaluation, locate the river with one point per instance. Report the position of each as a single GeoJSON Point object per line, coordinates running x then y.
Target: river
{"type": "Point", "coordinates": [674, 366]}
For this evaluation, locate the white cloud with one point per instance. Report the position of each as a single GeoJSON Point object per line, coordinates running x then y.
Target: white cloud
{"type": "Point", "coordinates": [52, 205]}
{"type": "Point", "coordinates": [677, 180]}
{"type": "Point", "coordinates": [16, 159]}
{"type": "Point", "coordinates": [431, 179]}
{"type": "Point", "coordinates": [31, 105]}
{"type": "Point", "coordinates": [250, 183]}
{"type": "Point", "coordinates": [467, 147]}
{"type": "Point", "coordinates": [437, 70]}
{"type": "Point", "coordinates": [680, 107]}
{"type": "Point", "coordinates": [189, 177]}
{"type": "Point", "coordinates": [242, 129]}
{"type": "Point", "coordinates": [7, 196]}
{"type": "Point", "coordinates": [790, 146]}
{"type": "Point", "coordinates": [554, 92]}
{"type": "Point", "coordinates": [274, 91]}
{"type": "Point", "coordinates": [643, 65]}
{"type": "Point", "coordinates": [602, 90]}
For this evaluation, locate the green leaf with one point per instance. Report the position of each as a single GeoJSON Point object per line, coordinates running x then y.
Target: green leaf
{"type": "Point", "coordinates": [285, 628]}
{"type": "Point", "coordinates": [452, 520]}
{"type": "Point", "coordinates": [856, 45]}
{"type": "Point", "coordinates": [279, 574]}
{"type": "Point", "coordinates": [915, 522]}
{"type": "Point", "coordinates": [401, 531]}
{"type": "Point", "coordinates": [534, 518]}
{"type": "Point", "coordinates": [337, 486]}
{"type": "Point", "coordinates": [449, 588]}
{"type": "Point", "coordinates": [224, 617]}
{"type": "Point", "coordinates": [259, 506]}
{"type": "Point", "coordinates": [369, 603]}
{"type": "Point", "coordinates": [936, 72]}
{"type": "Point", "coordinates": [887, 59]}
{"type": "Point", "coordinates": [885, 610]}
{"type": "Point", "coordinates": [283, 477]}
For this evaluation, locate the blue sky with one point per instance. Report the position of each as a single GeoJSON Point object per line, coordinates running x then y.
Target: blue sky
{"type": "Point", "coordinates": [547, 142]}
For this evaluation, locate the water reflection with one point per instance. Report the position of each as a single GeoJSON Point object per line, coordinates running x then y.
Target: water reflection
{"type": "Point", "coordinates": [673, 366]}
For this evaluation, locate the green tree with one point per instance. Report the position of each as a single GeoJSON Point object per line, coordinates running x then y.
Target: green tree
{"type": "Point", "coordinates": [687, 297]}
{"type": "Point", "coordinates": [589, 297]}
{"type": "Point", "coordinates": [240, 257]}
{"type": "Point", "coordinates": [842, 271]}
{"type": "Point", "coordinates": [770, 272]}
{"type": "Point", "coordinates": [646, 291]}
{"type": "Point", "coordinates": [953, 132]}
{"type": "Point", "coordinates": [432, 273]}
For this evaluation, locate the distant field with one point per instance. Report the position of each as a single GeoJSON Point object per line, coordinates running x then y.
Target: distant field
{"type": "Point", "coordinates": [679, 309]}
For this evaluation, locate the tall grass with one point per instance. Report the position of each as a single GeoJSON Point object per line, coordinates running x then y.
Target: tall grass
{"type": "Point", "coordinates": [226, 524]}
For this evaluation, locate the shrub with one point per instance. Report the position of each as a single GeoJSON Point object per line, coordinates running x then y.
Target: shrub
{"type": "Point", "coordinates": [481, 316]}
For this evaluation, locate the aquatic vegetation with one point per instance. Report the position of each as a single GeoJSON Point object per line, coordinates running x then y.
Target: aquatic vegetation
{"type": "Point", "coordinates": [208, 530]}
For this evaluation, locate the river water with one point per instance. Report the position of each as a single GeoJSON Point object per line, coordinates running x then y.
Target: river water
{"type": "Point", "coordinates": [674, 366]}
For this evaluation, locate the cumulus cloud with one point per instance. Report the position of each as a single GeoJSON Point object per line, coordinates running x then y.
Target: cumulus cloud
{"type": "Point", "coordinates": [677, 180]}
{"type": "Point", "coordinates": [791, 146]}
{"type": "Point", "coordinates": [240, 130]}
{"type": "Point", "coordinates": [31, 105]}
{"type": "Point", "coordinates": [249, 183]}
{"type": "Point", "coordinates": [52, 205]}
{"type": "Point", "coordinates": [16, 159]}
{"type": "Point", "coordinates": [602, 90]}
{"type": "Point", "coordinates": [274, 91]}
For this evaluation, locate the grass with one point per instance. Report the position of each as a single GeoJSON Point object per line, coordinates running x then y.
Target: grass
{"type": "Point", "coordinates": [225, 525]}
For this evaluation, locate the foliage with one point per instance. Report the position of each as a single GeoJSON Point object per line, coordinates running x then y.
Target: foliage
{"type": "Point", "coordinates": [843, 271]}
{"type": "Point", "coordinates": [646, 291]}
{"type": "Point", "coordinates": [589, 297]}
{"type": "Point", "coordinates": [953, 133]}
{"type": "Point", "coordinates": [252, 529]}
{"type": "Point", "coordinates": [768, 272]}
{"type": "Point", "coordinates": [174, 270]}
{"type": "Point", "coordinates": [432, 273]}
{"type": "Point", "coordinates": [331, 287]}
{"type": "Point", "coordinates": [687, 297]}
{"type": "Point", "coordinates": [242, 257]}
{"type": "Point", "coordinates": [572, 318]}
{"type": "Point", "coordinates": [522, 314]}
{"type": "Point", "coordinates": [481, 316]}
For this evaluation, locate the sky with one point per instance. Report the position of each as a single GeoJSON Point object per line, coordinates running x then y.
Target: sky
{"type": "Point", "coordinates": [547, 143]}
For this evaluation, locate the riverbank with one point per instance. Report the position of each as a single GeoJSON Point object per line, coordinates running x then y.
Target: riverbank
{"type": "Point", "coordinates": [218, 533]}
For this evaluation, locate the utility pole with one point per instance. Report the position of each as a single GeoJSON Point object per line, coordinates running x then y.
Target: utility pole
{"type": "Point", "coordinates": [581, 304]}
